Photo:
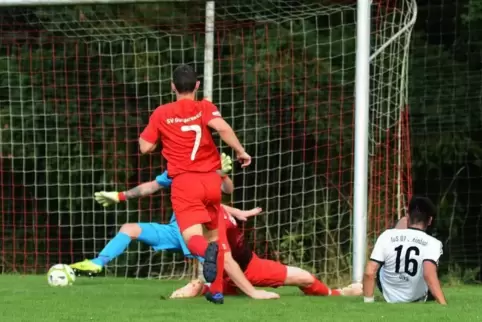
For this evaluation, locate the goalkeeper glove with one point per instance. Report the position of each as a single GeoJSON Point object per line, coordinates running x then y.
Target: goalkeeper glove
{"type": "Point", "coordinates": [226, 164]}
{"type": "Point", "coordinates": [164, 180]}
{"type": "Point", "coordinates": [107, 198]}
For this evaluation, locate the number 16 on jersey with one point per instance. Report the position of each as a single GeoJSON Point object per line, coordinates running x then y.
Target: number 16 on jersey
{"type": "Point", "coordinates": [411, 264]}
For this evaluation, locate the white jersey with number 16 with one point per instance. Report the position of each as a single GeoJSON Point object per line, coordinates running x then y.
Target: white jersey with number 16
{"type": "Point", "coordinates": [401, 253]}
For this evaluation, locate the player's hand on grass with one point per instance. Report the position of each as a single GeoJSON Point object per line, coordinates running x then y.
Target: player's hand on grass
{"type": "Point", "coordinates": [264, 295]}
{"type": "Point", "coordinates": [244, 159]}
{"type": "Point", "coordinates": [192, 289]}
{"type": "Point", "coordinates": [107, 198]}
{"type": "Point", "coordinates": [226, 164]}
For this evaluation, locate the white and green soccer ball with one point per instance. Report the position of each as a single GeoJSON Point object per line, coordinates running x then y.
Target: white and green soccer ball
{"type": "Point", "coordinates": [61, 275]}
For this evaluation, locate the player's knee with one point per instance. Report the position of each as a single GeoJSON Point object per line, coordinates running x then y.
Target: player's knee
{"type": "Point", "coordinates": [194, 230]}
{"type": "Point", "coordinates": [299, 277]}
{"type": "Point", "coordinates": [132, 230]}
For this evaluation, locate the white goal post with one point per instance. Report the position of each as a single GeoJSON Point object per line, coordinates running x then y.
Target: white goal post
{"type": "Point", "coordinates": [313, 229]}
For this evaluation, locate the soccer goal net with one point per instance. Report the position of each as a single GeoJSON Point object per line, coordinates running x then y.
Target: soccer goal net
{"type": "Point", "coordinates": [79, 83]}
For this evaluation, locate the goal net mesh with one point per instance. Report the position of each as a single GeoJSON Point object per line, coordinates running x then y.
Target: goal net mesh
{"type": "Point", "coordinates": [79, 83]}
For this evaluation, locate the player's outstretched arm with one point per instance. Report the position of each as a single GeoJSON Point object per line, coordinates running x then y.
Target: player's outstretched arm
{"type": "Point", "coordinates": [242, 215]}
{"type": "Point", "coordinates": [142, 190]}
{"type": "Point", "coordinates": [431, 278]}
{"type": "Point", "coordinates": [107, 198]}
{"type": "Point", "coordinates": [369, 280]}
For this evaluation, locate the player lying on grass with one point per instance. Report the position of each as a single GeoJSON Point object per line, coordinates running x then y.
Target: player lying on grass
{"type": "Point", "coordinates": [158, 236]}
{"type": "Point", "coordinates": [404, 261]}
{"type": "Point", "coordinates": [262, 272]}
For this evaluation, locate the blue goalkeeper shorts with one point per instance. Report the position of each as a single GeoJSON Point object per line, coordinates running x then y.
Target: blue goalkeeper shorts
{"type": "Point", "coordinates": [164, 237]}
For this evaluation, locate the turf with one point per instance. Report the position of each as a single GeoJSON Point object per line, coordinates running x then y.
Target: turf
{"type": "Point", "coordinates": [29, 298]}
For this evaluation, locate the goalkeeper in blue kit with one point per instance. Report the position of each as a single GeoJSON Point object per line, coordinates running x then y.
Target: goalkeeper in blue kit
{"type": "Point", "coordinates": [158, 236]}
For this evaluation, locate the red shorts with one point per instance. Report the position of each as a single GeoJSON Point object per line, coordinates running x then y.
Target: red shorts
{"type": "Point", "coordinates": [196, 199]}
{"type": "Point", "coordinates": [261, 273]}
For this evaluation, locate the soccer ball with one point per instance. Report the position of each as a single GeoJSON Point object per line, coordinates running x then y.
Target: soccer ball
{"type": "Point", "coordinates": [61, 275]}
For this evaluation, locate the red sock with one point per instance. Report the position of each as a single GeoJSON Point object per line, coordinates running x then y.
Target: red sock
{"type": "Point", "coordinates": [319, 289]}
{"type": "Point", "coordinates": [197, 245]}
{"type": "Point", "coordinates": [335, 293]}
{"type": "Point", "coordinates": [217, 285]}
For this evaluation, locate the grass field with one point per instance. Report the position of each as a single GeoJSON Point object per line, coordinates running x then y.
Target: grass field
{"type": "Point", "coordinates": [29, 298]}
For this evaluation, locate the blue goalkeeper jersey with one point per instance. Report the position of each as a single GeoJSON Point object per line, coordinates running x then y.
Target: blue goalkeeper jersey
{"type": "Point", "coordinates": [164, 181]}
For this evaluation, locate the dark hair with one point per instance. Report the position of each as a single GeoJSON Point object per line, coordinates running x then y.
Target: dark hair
{"type": "Point", "coordinates": [184, 79]}
{"type": "Point", "coordinates": [420, 210]}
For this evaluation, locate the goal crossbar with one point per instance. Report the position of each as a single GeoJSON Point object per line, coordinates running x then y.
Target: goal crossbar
{"type": "Point", "coordinates": [6, 3]}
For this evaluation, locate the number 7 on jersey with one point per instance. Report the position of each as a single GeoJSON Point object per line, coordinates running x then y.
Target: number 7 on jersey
{"type": "Point", "coordinates": [197, 140]}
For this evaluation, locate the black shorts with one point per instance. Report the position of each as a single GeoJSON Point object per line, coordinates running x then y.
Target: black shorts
{"type": "Point", "coordinates": [380, 288]}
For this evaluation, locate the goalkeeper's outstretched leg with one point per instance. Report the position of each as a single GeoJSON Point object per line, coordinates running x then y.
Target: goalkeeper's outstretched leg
{"type": "Point", "coordinates": [159, 237]}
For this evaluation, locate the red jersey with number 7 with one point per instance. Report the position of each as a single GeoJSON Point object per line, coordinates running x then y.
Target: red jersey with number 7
{"type": "Point", "coordinates": [187, 142]}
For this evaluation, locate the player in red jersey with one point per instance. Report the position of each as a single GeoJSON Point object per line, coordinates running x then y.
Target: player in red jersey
{"type": "Point", "coordinates": [262, 272]}
{"type": "Point", "coordinates": [184, 130]}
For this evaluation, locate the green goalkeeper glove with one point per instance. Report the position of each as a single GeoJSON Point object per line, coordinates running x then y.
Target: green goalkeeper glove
{"type": "Point", "coordinates": [107, 198]}
{"type": "Point", "coordinates": [226, 164]}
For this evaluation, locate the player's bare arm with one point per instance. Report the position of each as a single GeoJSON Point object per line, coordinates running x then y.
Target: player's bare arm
{"type": "Point", "coordinates": [238, 277]}
{"type": "Point", "coordinates": [149, 137]}
{"type": "Point", "coordinates": [431, 278]}
{"type": "Point", "coordinates": [144, 189]}
{"type": "Point", "coordinates": [227, 185]}
{"type": "Point", "coordinates": [146, 147]}
{"type": "Point", "coordinates": [242, 215]}
{"type": "Point", "coordinates": [369, 280]}
{"type": "Point", "coordinates": [107, 198]}
{"type": "Point", "coordinates": [226, 133]}
{"type": "Point", "coordinates": [229, 137]}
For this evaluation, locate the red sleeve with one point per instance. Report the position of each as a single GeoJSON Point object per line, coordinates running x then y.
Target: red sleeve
{"type": "Point", "coordinates": [151, 133]}
{"type": "Point", "coordinates": [210, 111]}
